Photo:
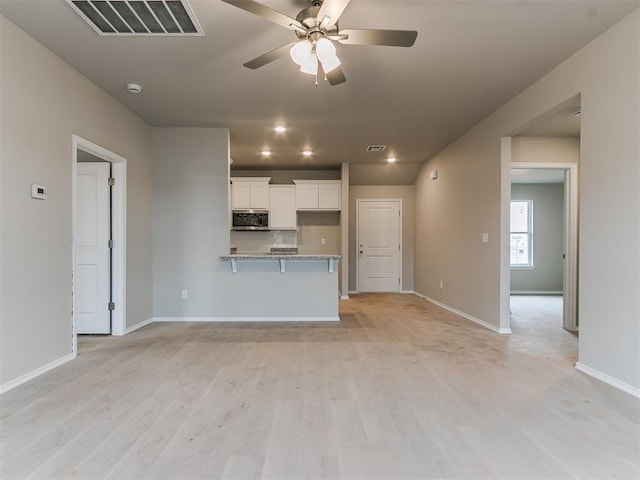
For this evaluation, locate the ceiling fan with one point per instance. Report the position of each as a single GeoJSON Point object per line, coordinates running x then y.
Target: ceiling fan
{"type": "Point", "coordinates": [317, 29]}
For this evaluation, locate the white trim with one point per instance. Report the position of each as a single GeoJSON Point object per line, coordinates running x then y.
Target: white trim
{"type": "Point", "coordinates": [344, 297]}
{"type": "Point", "coordinates": [246, 319]}
{"type": "Point", "coordinates": [400, 240]}
{"type": "Point", "coordinates": [501, 331]}
{"type": "Point", "coordinates": [135, 327]}
{"type": "Point", "coordinates": [408, 292]}
{"type": "Point", "coordinates": [36, 373]}
{"type": "Point", "coordinates": [603, 377]}
{"type": "Point", "coordinates": [119, 222]}
{"type": "Point", "coordinates": [536, 292]}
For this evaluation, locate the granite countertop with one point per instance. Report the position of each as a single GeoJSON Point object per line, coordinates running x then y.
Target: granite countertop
{"type": "Point", "coordinates": [277, 256]}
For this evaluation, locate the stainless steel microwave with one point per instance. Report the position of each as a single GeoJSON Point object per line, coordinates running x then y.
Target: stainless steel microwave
{"type": "Point", "coordinates": [250, 220]}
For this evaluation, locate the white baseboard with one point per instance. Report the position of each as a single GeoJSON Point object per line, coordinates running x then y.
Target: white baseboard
{"type": "Point", "coordinates": [501, 331]}
{"type": "Point", "coordinates": [135, 327]}
{"type": "Point", "coordinates": [353, 292]}
{"type": "Point", "coordinates": [344, 297]}
{"type": "Point", "coordinates": [36, 373]}
{"type": "Point", "coordinates": [603, 377]}
{"type": "Point", "coordinates": [246, 319]}
{"type": "Point", "coordinates": [536, 292]}
{"type": "Point", "coordinates": [408, 292]}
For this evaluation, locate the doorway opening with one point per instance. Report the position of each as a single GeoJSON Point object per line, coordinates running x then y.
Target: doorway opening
{"type": "Point", "coordinates": [543, 257]}
{"type": "Point", "coordinates": [86, 152]}
{"type": "Point", "coordinates": [540, 165]}
{"type": "Point", "coordinates": [379, 245]}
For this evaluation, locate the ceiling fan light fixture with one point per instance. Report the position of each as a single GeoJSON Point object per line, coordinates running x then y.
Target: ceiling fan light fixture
{"type": "Point", "coordinates": [325, 48]}
{"type": "Point", "coordinates": [330, 63]}
{"type": "Point", "coordinates": [310, 65]}
{"type": "Point", "coordinates": [300, 51]}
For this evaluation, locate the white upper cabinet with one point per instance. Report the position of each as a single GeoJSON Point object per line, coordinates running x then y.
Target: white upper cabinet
{"type": "Point", "coordinates": [318, 194]}
{"type": "Point", "coordinates": [249, 193]}
{"type": "Point", "coordinates": [282, 207]}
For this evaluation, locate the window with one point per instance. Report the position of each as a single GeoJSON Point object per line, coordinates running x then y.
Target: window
{"type": "Point", "coordinates": [521, 234]}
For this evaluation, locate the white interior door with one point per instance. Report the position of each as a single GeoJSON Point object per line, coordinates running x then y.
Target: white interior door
{"type": "Point", "coordinates": [379, 245]}
{"type": "Point", "coordinates": [93, 282]}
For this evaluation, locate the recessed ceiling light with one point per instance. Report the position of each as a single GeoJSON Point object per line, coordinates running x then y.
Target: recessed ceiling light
{"type": "Point", "coordinates": [266, 153]}
{"type": "Point", "coordinates": [392, 159]}
{"type": "Point", "coordinates": [307, 153]}
{"type": "Point", "coordinates": [280, 129]}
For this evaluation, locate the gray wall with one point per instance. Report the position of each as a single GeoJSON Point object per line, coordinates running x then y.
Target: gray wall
{"type": "Point", "coordinates": [472, 196]}
{"type": "Point", "coordinates": [44, 102]}
{"type": "Point", "coordinates": [190, 233]}
{"type": "Point", "coordinates": [190, 211]}
{"type": "Point", "coordinates": [545, 149]}
{"type": "Point", "coordinates": [406, 194]}
{"type": "Point", "coordinates": [548, 225]}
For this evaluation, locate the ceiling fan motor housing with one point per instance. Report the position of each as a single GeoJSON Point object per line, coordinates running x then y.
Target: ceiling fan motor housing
{"type": "Point", "coordinates": [309, 18]}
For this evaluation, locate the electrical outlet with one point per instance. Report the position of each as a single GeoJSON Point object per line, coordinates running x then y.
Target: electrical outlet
{"type": "Point", "coordinates": [184, 294]}
{"type": "Point", "coordinates": [441, 284]}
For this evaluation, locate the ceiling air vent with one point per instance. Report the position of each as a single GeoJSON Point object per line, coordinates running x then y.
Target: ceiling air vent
{"type": "Point", "coordinates": [376, 148]}
{"type": "Point", "coordinates": [138, 17]}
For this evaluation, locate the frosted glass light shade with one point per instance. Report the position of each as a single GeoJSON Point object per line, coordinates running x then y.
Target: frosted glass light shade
{"type": "Point", "coordinates": [310, 65]}
{"type": "Point", "coordinates": [300, 51]}
{"type": "Point", "coordinates": [330, 63]}
{"type": "Point", "coordinates": [325, 49]}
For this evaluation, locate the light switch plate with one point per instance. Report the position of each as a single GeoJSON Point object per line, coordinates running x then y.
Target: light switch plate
{"type": "Point", "coordinates": [485, 238]}
{"type": "Point", "coordinates": [38, 191]}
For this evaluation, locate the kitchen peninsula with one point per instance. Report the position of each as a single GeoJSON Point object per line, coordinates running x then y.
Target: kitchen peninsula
{"type": "Point", "coordinates": [284, 287]}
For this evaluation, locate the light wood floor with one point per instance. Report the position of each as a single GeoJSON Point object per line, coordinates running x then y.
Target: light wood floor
{"type": "Point", "coordinates": [398, 389]}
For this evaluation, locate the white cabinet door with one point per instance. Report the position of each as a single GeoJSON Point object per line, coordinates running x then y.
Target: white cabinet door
{"type": "Point", "coordinates": [318, 194]}
{"type": "Point", "coordinates": [329, 196]}
{"type": "Point", "coordinates": [282, 207]}
{"type": "Point", "coordinates": [250, 193]}
{"type": "Point", "coordinates": [259, 196]}
{"type": "Point", "coordinates": [306, 197]}
{"type": "Point", "coordinates": [241, 196]}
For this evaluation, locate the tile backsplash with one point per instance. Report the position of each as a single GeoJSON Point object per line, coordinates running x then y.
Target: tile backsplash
{"type": "Point", "coordinates": [263, 241]}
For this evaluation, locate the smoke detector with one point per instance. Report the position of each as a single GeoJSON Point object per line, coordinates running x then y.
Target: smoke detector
{"type": "Point", "coordinates": [134, 88]}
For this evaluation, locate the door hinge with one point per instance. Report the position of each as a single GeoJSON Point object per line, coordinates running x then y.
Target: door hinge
{"type": "Point", "coordinates": [112, 306]}
{"type": "Point", "coordinates": [112, 181]}
{"type": "Point", "coordinates": [110, 243]}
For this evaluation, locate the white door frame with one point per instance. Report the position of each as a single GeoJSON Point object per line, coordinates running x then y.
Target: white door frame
{"type": "Point", "coordinates": [118, 228]}
{"type": "Point", "coordinates": [570, 247]}
{"type": "Point", "coordinates": [376, 200]}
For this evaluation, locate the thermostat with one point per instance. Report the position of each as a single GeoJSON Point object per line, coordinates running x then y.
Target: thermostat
{"type": "Point", "coordinates": [38, 191]}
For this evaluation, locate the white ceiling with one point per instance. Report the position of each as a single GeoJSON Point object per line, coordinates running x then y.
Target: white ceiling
{"type": "Point", "coordinates": [470, 57]}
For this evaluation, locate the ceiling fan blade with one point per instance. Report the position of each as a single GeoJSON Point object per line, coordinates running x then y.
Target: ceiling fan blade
{"type": "Point", "coordinates": [390, 38]}
{"type": "Point", "coordinates": [336, 76]}
{"type": "Point", "coordinates": [269, 57]}
{"type": "Point", "coordinates": [330, 12]}
{"type": "Point", "coordinates": [266, 13]}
